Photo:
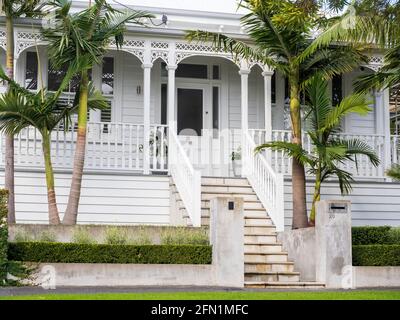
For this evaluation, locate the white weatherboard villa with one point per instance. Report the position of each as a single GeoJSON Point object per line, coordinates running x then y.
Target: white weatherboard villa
{"type": "Point", "coordinates": [179, 113]}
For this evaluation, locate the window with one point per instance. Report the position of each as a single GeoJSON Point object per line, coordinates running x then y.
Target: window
{"type": "Point", "coordinates": [195, 71]}
{"type": "Point", "coordinates": [107, 79]}
{"type": "Point", "coordinates": [273, 88]}
{"type": "Point", "coordinates": [31, 71]}
{"type": "Point", "coordinates": [164, 97]}
{"type": "Point", "coordinates": [215, 109]}
{"type": "Point", "coordinates": [337, 93]}
{"type": "Point", "coordinates": [107, 88]}
{"type": "Point", "coordinates": [56, 76]}
{"type": "Point", "coordinates": [216, 72]}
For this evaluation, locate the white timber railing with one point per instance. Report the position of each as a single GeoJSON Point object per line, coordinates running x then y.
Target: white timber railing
{"type": "Point", "coordinates": [363, 169]}
{"type": "Point", "coordinates": [186, 179]}
{"type": "Point", "coordinates": [109, 146]}
{"type": "Point", "coordinates": [395, 148]}
{"type": "Point", "coordinates": [267, 184]}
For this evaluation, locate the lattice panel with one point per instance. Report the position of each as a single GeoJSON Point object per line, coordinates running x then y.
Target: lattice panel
{"type": "Point", "coordinates": [160, 54]}
{"type": "Point", "coordinates": [159, 45]}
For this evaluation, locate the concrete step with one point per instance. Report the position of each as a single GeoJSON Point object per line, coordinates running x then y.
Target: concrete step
{"type": "Point", "coordinates": [284, 285]}
{"type": "Point", "coordinates": [224, 181]}
{"type": "Point", "coordinates": [262, 248]}
{"type": "Point", "coordinates": [255, 214]}
{"type": "Point", "coordinates": [212, 195]}
{"type": "Point", "coordinates": [272, 277]}
{"type": "Point", "coordinates": [266, 257]}
{"type": "Point", "coordinates": [269, 238]}
{"type": "Point", "coordinates": [256, 267]}
{"type": "Point", "coordinates": [259, 222]}
{"type": "Point", "coordinates": [258, 230]}
{"type": "Point", "coordinates": [227, 189]}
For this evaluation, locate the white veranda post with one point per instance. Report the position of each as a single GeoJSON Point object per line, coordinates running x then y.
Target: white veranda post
{"type": "Point", "coordinates": [267, 74]}
{"type": "Point", "coordinates": [172, 127]}
{"type": "Point", "coordinates": [146, 115]}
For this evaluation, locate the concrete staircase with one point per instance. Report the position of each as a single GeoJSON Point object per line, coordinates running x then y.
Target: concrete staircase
{"type": "Point", "coordinates": [266, 264]}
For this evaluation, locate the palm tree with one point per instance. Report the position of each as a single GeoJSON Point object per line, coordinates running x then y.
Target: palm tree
{"type": "Point", "coordinates": [329, 151]}
{"type": "Point", "coordinates": [280, 31]}
{"type": "Point", "coordinates": [80, 41]}
{"type": "Point", "coordinates": [21, 108]}
{"type": "Point", "coordinates": [14, 9]}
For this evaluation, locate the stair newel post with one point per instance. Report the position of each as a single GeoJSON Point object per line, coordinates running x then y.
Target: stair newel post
{"type": "Point", "coordinates": [279, 203]}
{"type": "Point", "coordinates": [196, 198]}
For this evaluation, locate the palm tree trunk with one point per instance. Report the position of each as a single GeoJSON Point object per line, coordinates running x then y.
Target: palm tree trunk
{"type": "Point", "coordinates": [54, 217]}
{"type": "Point", "coordinates": [316, 197]}
{"type": "Point", "coordinates": [9, 143]}
{"type": "Point", "coordinates": [299, 219]}
{"type": "Point", "coordinates": [71, 212]}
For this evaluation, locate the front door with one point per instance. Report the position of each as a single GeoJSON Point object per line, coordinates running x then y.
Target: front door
{"type": "Point", "coordinates": [194, 122]}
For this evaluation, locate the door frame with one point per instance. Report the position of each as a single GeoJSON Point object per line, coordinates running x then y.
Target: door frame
{"type": "Point", "coordinates": [207, 101]}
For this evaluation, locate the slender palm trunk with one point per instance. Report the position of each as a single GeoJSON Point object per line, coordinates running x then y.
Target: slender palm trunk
{"type": "Point", "coordinates": [54, 217]}
{"type": "Point", "coordinates": [71, 212]}
{"type": "Point", "coordinates": [299, 219]}
{"type": "Point", "coordinates": [9, 143]}
{"type": "Point", "coordinates": [316, 197]}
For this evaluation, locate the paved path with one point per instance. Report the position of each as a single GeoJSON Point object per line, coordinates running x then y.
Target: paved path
{"type": "Point", "coordinates": [14, 291]}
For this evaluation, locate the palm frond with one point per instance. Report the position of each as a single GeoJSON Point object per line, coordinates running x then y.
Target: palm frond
{"type": "Point", "coordinates": [352, 28]}
{"type": "Point", "coordinates": [291, 150]}
{"type": "Point", "coordinates": [356, 147]}
{"type": "Point", "coordinates": [355, 103]}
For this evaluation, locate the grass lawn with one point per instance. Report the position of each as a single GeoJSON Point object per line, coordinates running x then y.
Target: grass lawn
{"type": "Point", "coordinates": [324, 295]}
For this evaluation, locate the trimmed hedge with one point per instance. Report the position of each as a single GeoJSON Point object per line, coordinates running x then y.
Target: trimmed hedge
{"type": "Point", "coordinates": [376, 255]}
{"type": "Point", "coordinates": [371, 235]}
{"type": "Point", "coordinates": [105, 253]}
{"type": "Point", "coordinates": [3, 236]}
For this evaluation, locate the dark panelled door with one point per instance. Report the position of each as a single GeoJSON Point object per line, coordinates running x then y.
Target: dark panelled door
{"type": "Point", "coordinates": [190, 111]}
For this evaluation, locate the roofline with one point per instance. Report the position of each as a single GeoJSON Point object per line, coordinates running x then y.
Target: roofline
{"type": "Point", "coordinates": [190, 13]}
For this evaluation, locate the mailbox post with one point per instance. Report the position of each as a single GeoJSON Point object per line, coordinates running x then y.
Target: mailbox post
{"type": "Point", "coordinates": [333, 242]}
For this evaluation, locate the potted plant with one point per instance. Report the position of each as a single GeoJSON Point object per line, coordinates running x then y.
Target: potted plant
{"type": "Point", "coordinates": [236, 157]}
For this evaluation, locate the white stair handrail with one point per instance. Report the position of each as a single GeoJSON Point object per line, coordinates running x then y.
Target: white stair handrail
{"type": "Point", "coordinates": [267, 184]}
{"type": "Point", "coordinates": [186, 179]}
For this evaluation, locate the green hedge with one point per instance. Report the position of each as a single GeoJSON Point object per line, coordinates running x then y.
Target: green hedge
{"type": "Point", "coordinates": [104, 253]}
{"type": "Point", "coordinates": [371, 235]}
{"type": "Point", "coordinates": [376, 255]}
{"type": "Point", "coordinates": [3, 236]}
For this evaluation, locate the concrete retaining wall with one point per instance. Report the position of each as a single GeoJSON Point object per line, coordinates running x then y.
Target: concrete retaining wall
{"type": "Point", "coordinates": [300, 245]}
{"type": "Point", "coordinates": [369, 277]}
{"type": "Point", "coordinates": [81, 274]}
{"type": "Point", "coordinates": [227, 268]}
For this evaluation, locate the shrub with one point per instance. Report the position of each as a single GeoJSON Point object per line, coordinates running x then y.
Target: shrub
{"type": "Point", "coordinates": [182, 235]}
{"type": "Point", "coordinates": [115, 235]}
{"type": "Point", "coordinates": [17, 270]}
{"type": "Point", "coordinates": [22, 236]}
{"type": "Point", "coordinates": [104, 253]}
{"type": "Point", "coordinates": [47, 236]}
{"type": "Point", "coordinates": [81, 235]}
{"type": "Point", "coordinates": [141, 237]}
{"type": "Point", "coordinates": [394, 235]}
{"type": "Point", "coordinates": [371, 235]}
{"type": "Point", "coordinates": [376, 255]}
{"type": "Point", "coordinates": [3, 236]}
